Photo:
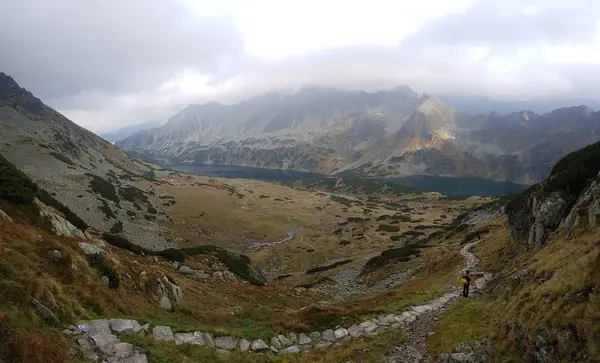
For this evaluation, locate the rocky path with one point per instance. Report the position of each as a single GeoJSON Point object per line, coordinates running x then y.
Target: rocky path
{"type": "Point", "coordinates": [99, 339]}
{"type": "Point", "coordinates": [414, 349]}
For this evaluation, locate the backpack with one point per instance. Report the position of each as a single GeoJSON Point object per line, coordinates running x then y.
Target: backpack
{"type": "Point", "coordinates": [463, 281]}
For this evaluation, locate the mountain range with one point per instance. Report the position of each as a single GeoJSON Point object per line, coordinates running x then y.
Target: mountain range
{"type": "Point", "coordinates": [387, 133]}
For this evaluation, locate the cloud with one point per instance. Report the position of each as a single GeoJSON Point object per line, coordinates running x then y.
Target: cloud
{"type": "Point", "coordinates": [110, 63]}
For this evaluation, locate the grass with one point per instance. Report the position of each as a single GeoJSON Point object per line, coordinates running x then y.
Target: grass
{"type": "Point", "coordinates": [466, 321]}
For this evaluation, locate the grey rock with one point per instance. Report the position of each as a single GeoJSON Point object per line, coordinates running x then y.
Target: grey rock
{"type": "Point", "coordinates": [118, 350]}
{"type": "Point", "coordinates": [44, 312]}
{"type": "Point", "coordinates": [284, 341]}
{"type": "Point", "coordinates": [58, 223]}
{"type": "Point", "coordinates": [227, 342]}
{"type": "Point", "coordinates": [89, 249]}
{"type": "Point", "coordinates": [165, 303]}
{"type": "Point", "coordinates": [56, 254]}
{"type": "Point", "coordinates": [138, 358]}
{"type": "Point", "coordinates": [355, 331]}
{"type": "Point", "coordinates": [304, 339]}
{"type": "Point", "coordinates": [123, 326]}
{"type": "Point", "coordinates": [105, 280]}
{"type": "Point", "coordinates": [163, 333]}
{"type": "Point", "coordinates": [291, 350]}
{"type": "Point", "coordinates": [274, 350]}
{"type": "Point", "coordinates": [99, 326]}
{"type": "Point", "coordinates": [189, 338]}
{"type": "Point", "coordinates": [208, 340]}
{"type": "Point", "coordinates": [186, 270]}
{"type": "Point", "coordinates": [259, 346]}
{"type": "Point", "coordinates": [146, 327]}
{"type": "Point", "coordinates": [85, 343]}
{"type": "Point", "coordinates": [315, 336]}
{"type": "Point", "coordinates": [276, 343]}
{"type": "Point", "coordinates": [340, 333]}
{"type": "Point", "coordinates": [328, 335]}
{"type": "Point", "coordinates": [321, 345]}
{"type": "Point", "coordinates": [293, 337]}
{"type": "Point", "coordinates": [244, 345]}
{"type": "Point", "coordinates": [100, 340]}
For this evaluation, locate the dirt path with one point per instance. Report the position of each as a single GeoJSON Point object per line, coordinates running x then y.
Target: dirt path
{"type": "Point", "coordinates": [414, 349]}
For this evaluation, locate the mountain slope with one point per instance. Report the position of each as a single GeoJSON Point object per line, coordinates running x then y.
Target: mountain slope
{"type": "Point", "coordinates": [89, 175]}
{"type": "Point", "coordinates": [388, 133]}
{"type": "Point", "coordinates": [125, 132]}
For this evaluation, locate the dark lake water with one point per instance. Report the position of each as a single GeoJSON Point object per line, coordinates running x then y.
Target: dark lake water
{"type": "Point", "coordinates": [427, 183]}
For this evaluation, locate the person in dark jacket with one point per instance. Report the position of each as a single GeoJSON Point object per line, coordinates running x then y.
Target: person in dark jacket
{"type": "Point", "coordinates": [466, 280]}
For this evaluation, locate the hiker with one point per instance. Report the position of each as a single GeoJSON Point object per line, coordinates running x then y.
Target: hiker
{"type": "Point", "coordinates": [466, 281]}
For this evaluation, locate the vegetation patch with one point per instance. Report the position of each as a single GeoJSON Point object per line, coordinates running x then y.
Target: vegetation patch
{"type": "Point", "coordinates": [131, 194]}
{"type": "Point", "coordinates": [117, 227]}
{"type": "Point", "coordinates": [327, 267]}
{"type": "Point", "coordinates": [15, 186]}
{"type": "Point", "coordinates": [393, 255]}
{"type": "Point", "coordinates": [62, 158]}
{"type": "Point", "coordinates": [387, 228]}
{"type": "Point", "coordinates": [105, 208]}
{"type": "Point", "coordinates": [99, 262]}
{"type": "Point", "coordinates": [103, 187]}
{"type": "Point", "coordinates": [70, 216]}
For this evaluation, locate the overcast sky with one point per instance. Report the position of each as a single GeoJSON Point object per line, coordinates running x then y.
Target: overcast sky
{"type": "Point", "coordinates": [111, 63]}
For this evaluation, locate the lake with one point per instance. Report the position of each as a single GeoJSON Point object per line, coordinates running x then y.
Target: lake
{"type": "Point", "coordinates": [426, 183]}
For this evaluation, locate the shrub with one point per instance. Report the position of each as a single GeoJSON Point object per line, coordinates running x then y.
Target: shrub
{"type": "Point", "coordinates": [99, 262]}
{"type": "Point", "coordinates": [387, 228]}
{"type": "Point", "coordinates": [103, 187]}
{"type": "Point", "coordinates": [117, 227]}
{"type": "Point", "coordinates": [152, 210]}
{"type": "Point", "coordinates": [105, 208]}
{"type": "Point", "coordinates": [124, 243]}
{"type": "Point", "coordinates": [327, 267]}
{"type": "Point", "coordinates": [131, 194]}
{"type": "Point", "coordinates": [15, 186]}
{"type": "Point", "coordinates": [62, 158]}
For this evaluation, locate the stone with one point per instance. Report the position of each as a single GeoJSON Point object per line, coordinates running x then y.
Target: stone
{"type": "Point", "coordinates": [58, 223]}
{"type": "Point", "coordinates": [90, 249]}
{"type": "Point", "coordinates": [293, 337]}
{"type": "Point", "coordinates": [291, 350]}
{"type": "Point", "coordinates": [175, 264]}
{"type": "Point", "coordinates": [284, 341]}
{"type": "Point", "coordinates": [244, 345]}
{"type": "Point", "coordinates": [274, 350]}
{"type": "Point", "coordinates": [189, 338]}
{"type": "Point", "coordinates": [186, 270]}
{"type": "Point", "coordinates": [44, 312]}
{"type": "Point", "coordinates": [56, 254]}
{"type": "Point", "coordinates": [340, 333]}
{"type": "Point", "coordinates": [165, 303]}
{"type": "Point", "coordinates": [105, 280]}
{"type": "Point", "coordinates": [382, 329]}
{"type": "Point", "coordinates": [176, 290]}
{"type": "Point", "coordinates": [276, 343]}
{"type": "Point", "coordinates": [4, 215]}
{"type": "Point", "coordinates": [208, 340]}
{"type": "Point", "coordinates": [146, 327]}
{"type": "Point", "coordinates": [354, 331]}
{"type": "Point", "coordinates": [138, 358]}
{"type": "Point", "coordinates": [85, 344]}
{"type": "Point", "coordinates": [227, 342]}
{"type": "Point", "coordinates": [124, 326]}
{"type": "Point", "coordinates": [321, 345]}
{"type": "Point", "coordinates": [259, 346]}
{"type": "Point", "coordinates": [163, 333]}
{"type": "Point", "coordinates": [315, 336]}
{"type": "Point", "coordinates": [100, 340]}
{"type": "Point", "coordinates": [304, 339]}
{"type": "Point", "coordinates": [118, 350]}
{"type": "Point", "coordinates": [328, 335]}
{"type": "Point", "coordinates": [99, 326]}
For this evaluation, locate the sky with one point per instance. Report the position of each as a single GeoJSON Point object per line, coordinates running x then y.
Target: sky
{"type": "Point", "coordinates": [106, 64]}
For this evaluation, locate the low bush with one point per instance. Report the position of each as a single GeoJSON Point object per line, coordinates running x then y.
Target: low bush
{"type": "Point", "coordinates": [99, 262]}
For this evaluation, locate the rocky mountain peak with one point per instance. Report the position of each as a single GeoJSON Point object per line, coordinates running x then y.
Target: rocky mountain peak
{"type": "Point", "coordinates": [14, 95]}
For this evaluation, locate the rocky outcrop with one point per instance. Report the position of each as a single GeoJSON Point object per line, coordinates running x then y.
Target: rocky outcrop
{"type": "Point", "coordinates": [58, 223]}
{"type": "Point", "coordinates": [471, 352]}
{"type": "Point", "coordinates": [560, 202]}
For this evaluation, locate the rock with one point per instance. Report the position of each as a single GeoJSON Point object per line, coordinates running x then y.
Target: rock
{"type": "Point", "coordinates": [218, 275]}
{"type": "Point", "coordinates": [321, 345]}
{"type": "Point", "coordinates": [293, 338]}
{"type": "Point", "coordinates": [276, 343]}
{"type": "Point", "coordinates": [123, 326]}
{"type": "Point", "coordinates": [227, 342]}
{"type": "Point", "coordinates": [101, 340]}
{"type": "Point", "coordinates": [291, 350]}
{"type": "Point", "coordinates": [99, 326]}
{"type": "Point", "coordinates": [259, 346]}
{"type": "Point", "coordinates": [284, 341]}
{"type": "Point", "coordinates": [89, 249]}
{"type": "Point", "coordinates": [315, 336]}
{"type": "Point", "coordinates": [118, 350]}
{"type": "Point", "coordinates": [146, 327]}
{"type": "Point", "coordinates": [105, 280]}
{"type": "Point", "coordinates": [175, 264]}
{"type": "Point", "coordinates": [163, 333]}
{"type": "Point", "coordinates": [165, 303]}
{"type": "Point", "coordinates": [208, 340]}
{"type": "Point", "coordinates": [354, 331]}
{"type": "Point", "coordinates": [44, 313]}
{"type": "Point", "coordinates": [274, 350]}
{"type": "Point", "coordinates": [176, 290]}
{"type": "Point", "coordinates": [244, 345]}
{"type": "Point", "coordinates": [303, 339]}
{"type": "Point", "coordinates": [4, 215]}
{"type": "Point", "coordinates": [186, 271]}
{"type": "Point", "coordinates": [138, 358]}
{"type": "Point", "coordinates": [58, 223]}
{"type": "Point", "coordinates": [189, 338]}
{"type": "Point", "coordinates": [56, 255]}
{"type": "Point", "coordinates": [328, 335]}
{"type": "Point", "coordinates": [340, 333]}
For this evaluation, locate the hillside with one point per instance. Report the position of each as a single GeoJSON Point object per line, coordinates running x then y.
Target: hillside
{"type": "Point", "coordinates": [385, 134]}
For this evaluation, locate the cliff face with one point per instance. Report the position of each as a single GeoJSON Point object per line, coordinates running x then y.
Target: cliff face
{"type": "Point", "coordinates": [565, 200]}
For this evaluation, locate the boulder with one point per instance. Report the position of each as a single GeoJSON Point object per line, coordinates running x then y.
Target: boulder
{"type": "Point", "coordinates": [118, 350]}
{"type": "Point", "coordinates": [354, 331]}
{"type": "Point", "coordinates": [165, 303]}
{"type": "Point", "coordinates": [208, 340]}
{"type": "Point", "coordinates": [101, 340]}
{"type": "Point", "coordinates": [89, 249]}
{"type": "Point", "coordinates": [226, 343]}
{"type": "Point", "coordinates": [293, 337]}
{"type": "Point", "coordinates": [44, 312]}
{"type": "Point", "coordinates": [340, 333]}
{"type": "Point", "coordinates": [244, 345]}
{"type": "Point", "coordinates": [57, 222]}
{"type": "Point", "coordinates": [284, 341]}
{"type": "Point", "coordinates": [291, 350]}
{"type": "Point", "coordinates": [163, 333]}
{"type": "Point", "coordinates": [259, 346]}
{"type": "Point", "coordinates": [56, 255]}
{"type": "Point", "coordinates": [189, 338]}
{"type": "Point", "coordinates": [315, 336]}
{"type": "Point", "coordinates": [303, 339]}
{"type": "Point", "coordinates": [185, 270]}
{"type": "Point", "coordinates": [276, 343]}
{"type": "Point", "coordinates": [322, 345]}
{"type": "Point", "coordinates": [124, 326]}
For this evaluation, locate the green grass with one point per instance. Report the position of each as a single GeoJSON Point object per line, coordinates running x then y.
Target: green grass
{"type": "Point", "coordinates": [468, 320]}
{"type": "Point", "coordinates": [411, 299]}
